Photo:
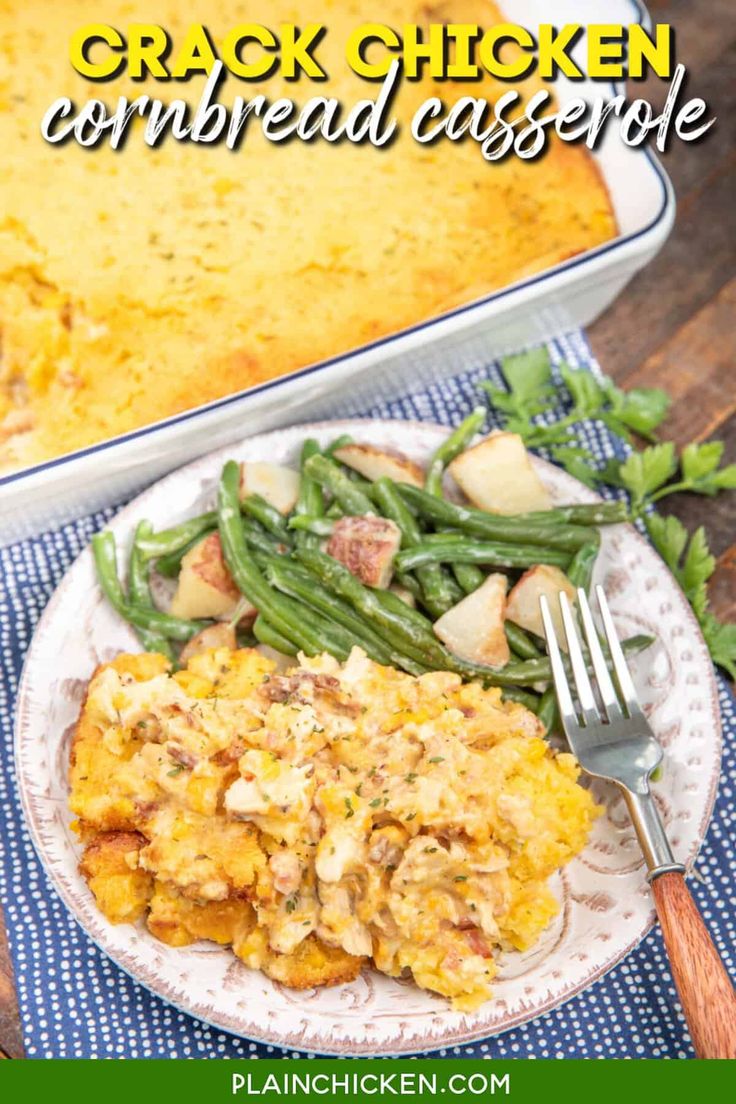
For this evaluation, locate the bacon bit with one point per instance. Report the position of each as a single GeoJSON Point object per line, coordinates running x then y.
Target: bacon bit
{"type": "Point", "coordinates": [146, 809]}
{"type": "Point", "coordinates": [244, 893]}
{"type": "Point", "coordinates": [366, 546]}
{"type": "Point", "coordinates": [230, 754]}
{"type": "Point", "coordinates": [66, 316]}
{"type": "Point", "coordinates": [477, 942]}
{"type": "Point", "coordinates": [280, 688]}
{"type": "Point", "coordinates": [467, 711]}
{"type": "Point", "coordinates": [180, 755]}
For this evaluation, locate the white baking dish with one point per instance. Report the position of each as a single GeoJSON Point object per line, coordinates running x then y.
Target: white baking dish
{"type": "Point", "coordinates": [570, 295]}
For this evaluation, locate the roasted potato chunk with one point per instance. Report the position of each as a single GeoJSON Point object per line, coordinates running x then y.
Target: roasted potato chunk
{"type": "Point", "coordinates": [206, 587]}
{"type": "Point", "coordinates": [366, 546]}
{"type": "Point", "coordinates": [474, 628]}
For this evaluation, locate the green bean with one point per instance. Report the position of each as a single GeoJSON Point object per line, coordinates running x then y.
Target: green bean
{"type": "Point", "coordinates": [382, 607]}
{"type": "Point", "coordinates": [106, 563]}
{"type": "Point", "coordinates": [454, 590]}
{"type": "Point", "coordinates": [580, 569]}
{"type": "Point", "coordinates": [532, 671]}
{"type": "Point", "coordinates": [413, 639]}
{"type": "Point", "coordinates": [523, 697]}
{"type": "Point", "coordinates": [310, 502]}
{"type": "Point", "coordinates": [300, 583]}
{"type": "Point", "coordinates": [173, 540]}
{"type": "Point", "coordinates": [246, 638]}
{"type": "Point", "coordinates": [256, 536]}
{"type": "Point", "coordinates": [452, 447]}
{"type": "Point", "coordinates": [105, 557]}
{"type": "Point", "coordinates": [339, 442]}
{"type": "Point", "coordinates": [408, 582]}
{"type": "Point", "coordinates": [175, 628]}
{"type": "Point", "coordinates": [267, 634]}
{"type": "Point", "coordinates": [333, 639]}
{"type": "Point", "coordinates": [584, 513]}
{"type": "Point", "coordinates": [268, 516]}
{"type": "Point", "coordinates": [481, 552]}
{"type": "Point", "coordinates": [548, 712]}
{"type": "Point", "coordinates": [437, 594]}
{"type": "Point", "coordinates": [397, 622]}
{"type": "Point", "coordinates": [292, 619]}
{"type": "Point", "coordinates": [396, 605]}
{"type": "Point", "coordinates": [169, 566]}
{"type": "Point", "coordinates": [350, 494]}
{"type": "Point", "coordinates": [334, 511]}
{"type": "Point", "coordinates": [315, 526]}
{"type": "Point", "coordinates": [392, 506]}
{"type": "Point", "coordinates": [139, 592]}
{"type": "Point", "coordinates": [496, 526]}
{"type": "Point", "coordinates": [258, 539]}
{"type": "Point", "coordinates": [469, 577]}
{"type": "Point", "coordinates": [520, 642]}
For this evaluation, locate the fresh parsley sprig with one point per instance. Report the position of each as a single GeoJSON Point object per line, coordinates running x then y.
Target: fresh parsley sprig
{"type": "Point", "coordinates": [692, 563]}
{"type": "Point", "coordinates": [649, 475]}
{"type": "Point", "coordinates": [530, 403]}
{"type": "Point", "coordinates": [531, 392]}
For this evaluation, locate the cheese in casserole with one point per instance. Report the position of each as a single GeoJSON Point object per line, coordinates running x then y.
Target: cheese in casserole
{"type": "Point", "coordinates": [321, 818]}
{"type": "Point", "coordinates": [138, 283]}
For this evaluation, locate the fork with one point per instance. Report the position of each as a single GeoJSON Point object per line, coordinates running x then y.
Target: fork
{"type": "Point", "coordinates": [611, 739]}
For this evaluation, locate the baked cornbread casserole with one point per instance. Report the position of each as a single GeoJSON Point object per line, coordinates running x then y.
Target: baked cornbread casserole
{"type": "Point", "coordinates": [141, 282]}
{"type": "Point", "coordinates": [324, 817]}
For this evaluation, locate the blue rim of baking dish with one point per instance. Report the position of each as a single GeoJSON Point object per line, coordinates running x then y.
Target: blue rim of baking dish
{"type": "Point", "coordinates": [419, 327]}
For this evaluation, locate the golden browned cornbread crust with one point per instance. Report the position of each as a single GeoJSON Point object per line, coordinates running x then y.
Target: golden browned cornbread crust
{"type": "Point", "coordinates": [139, 283]}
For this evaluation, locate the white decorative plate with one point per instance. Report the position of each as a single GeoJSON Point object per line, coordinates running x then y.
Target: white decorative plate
{"type": "Point", "coordinates": [606, 904]}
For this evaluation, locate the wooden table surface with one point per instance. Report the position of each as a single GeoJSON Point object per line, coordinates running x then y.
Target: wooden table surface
{"type": "Point", "coordinates": [675, 324]}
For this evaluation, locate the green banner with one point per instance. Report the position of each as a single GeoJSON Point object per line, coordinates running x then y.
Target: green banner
{"type": "Point", "coordinates": [275, 1081]}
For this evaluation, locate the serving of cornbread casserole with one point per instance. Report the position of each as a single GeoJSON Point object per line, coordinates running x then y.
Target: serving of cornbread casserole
{"type": "Point", "coordinates": [140, 282]}
{"type": "Point", "coordinates": [323, 818]}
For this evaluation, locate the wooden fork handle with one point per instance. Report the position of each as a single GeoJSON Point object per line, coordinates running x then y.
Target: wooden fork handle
{"type": "Point", "coordinates": [707, 995]}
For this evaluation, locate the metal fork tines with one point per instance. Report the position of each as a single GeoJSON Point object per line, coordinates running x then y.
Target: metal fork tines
{"type": "Point", "coordinates": [603, 721]}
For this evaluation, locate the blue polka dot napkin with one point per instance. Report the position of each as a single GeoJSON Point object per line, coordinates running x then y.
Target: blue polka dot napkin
{"type": "Point", "coordinates": [74, 1003]}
